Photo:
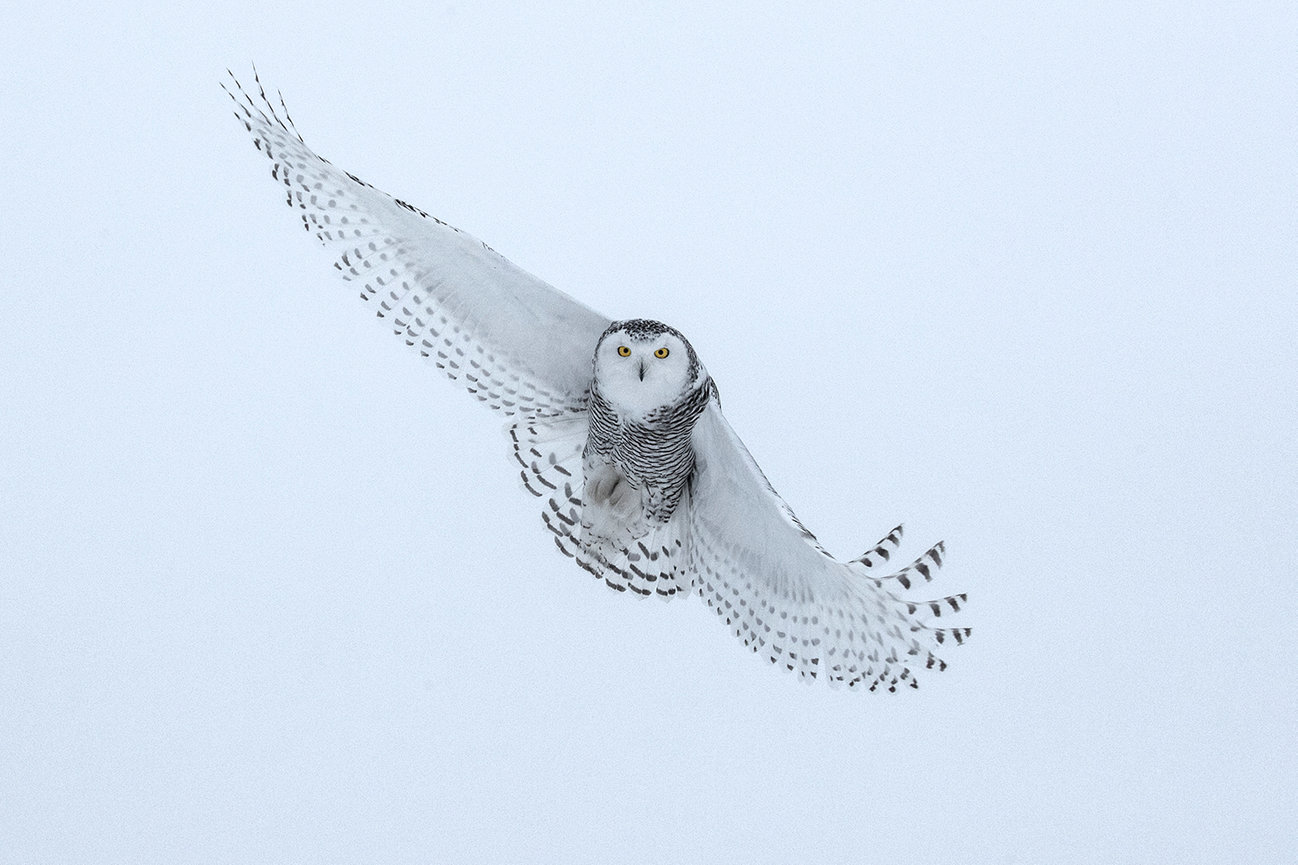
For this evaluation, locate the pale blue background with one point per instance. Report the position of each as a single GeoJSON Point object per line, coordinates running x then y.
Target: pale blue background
{"type": "Point", "coordinates": [1020, 274]}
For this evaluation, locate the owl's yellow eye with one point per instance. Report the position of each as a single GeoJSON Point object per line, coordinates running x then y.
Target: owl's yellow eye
{"type": "Point", "coordinates": [624, 351]}
{"type": "Point", "coordinates": [662, 352]}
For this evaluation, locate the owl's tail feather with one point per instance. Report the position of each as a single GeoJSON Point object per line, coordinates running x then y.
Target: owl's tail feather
{"type": "Point", "coordinates": [653, 564]}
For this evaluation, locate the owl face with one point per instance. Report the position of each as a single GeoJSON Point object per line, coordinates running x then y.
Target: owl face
{"type": "Point", "coordinates": [642, 365]}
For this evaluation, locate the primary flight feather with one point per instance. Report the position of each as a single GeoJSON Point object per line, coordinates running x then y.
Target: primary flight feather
{"type": "Point", "coordinates": [618, 429]}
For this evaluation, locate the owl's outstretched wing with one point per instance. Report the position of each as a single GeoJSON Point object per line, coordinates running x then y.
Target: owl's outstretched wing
{"type": "Point", "coordinates": [515, 342]}
{"type": "Point", "coordinates": [787, 598]}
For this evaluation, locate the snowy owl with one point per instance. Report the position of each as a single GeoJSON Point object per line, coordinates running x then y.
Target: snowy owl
{"type": "Point", "coordinates": [618, 429]}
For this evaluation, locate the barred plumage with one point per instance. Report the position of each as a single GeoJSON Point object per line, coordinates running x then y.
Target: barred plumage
{"type": "Point", "coordinates": [644, 482]}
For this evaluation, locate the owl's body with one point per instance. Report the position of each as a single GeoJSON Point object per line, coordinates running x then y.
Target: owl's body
{"type": "Point", "coordinates": [618, 428]}
{"type": "Point", "coordinates": [647, 393]}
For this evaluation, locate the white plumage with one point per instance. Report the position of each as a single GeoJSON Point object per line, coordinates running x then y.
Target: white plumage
{"type": "Point", "coordinates": [618, 428]}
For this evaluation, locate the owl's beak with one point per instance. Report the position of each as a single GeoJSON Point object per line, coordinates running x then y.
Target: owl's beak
{"type": "Point", "coordinates": [642, 370]}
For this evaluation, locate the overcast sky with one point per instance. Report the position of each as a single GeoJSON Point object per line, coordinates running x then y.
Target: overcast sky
{"type": "Point", "coordinates": [1021, 275]}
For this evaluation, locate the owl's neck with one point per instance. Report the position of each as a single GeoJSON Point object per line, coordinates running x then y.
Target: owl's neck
{"type": "Point", "coordinates": [677, 413]}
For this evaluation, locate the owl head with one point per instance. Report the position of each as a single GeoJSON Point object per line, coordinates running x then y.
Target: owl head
{"type": "Point", "coordinates": [642, 365]}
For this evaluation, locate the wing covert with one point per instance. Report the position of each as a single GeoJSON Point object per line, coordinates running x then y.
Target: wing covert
{"type": "Point", "coordinates": [516, 343]}
{"type": "Point", "coordinates": [786, 597]}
